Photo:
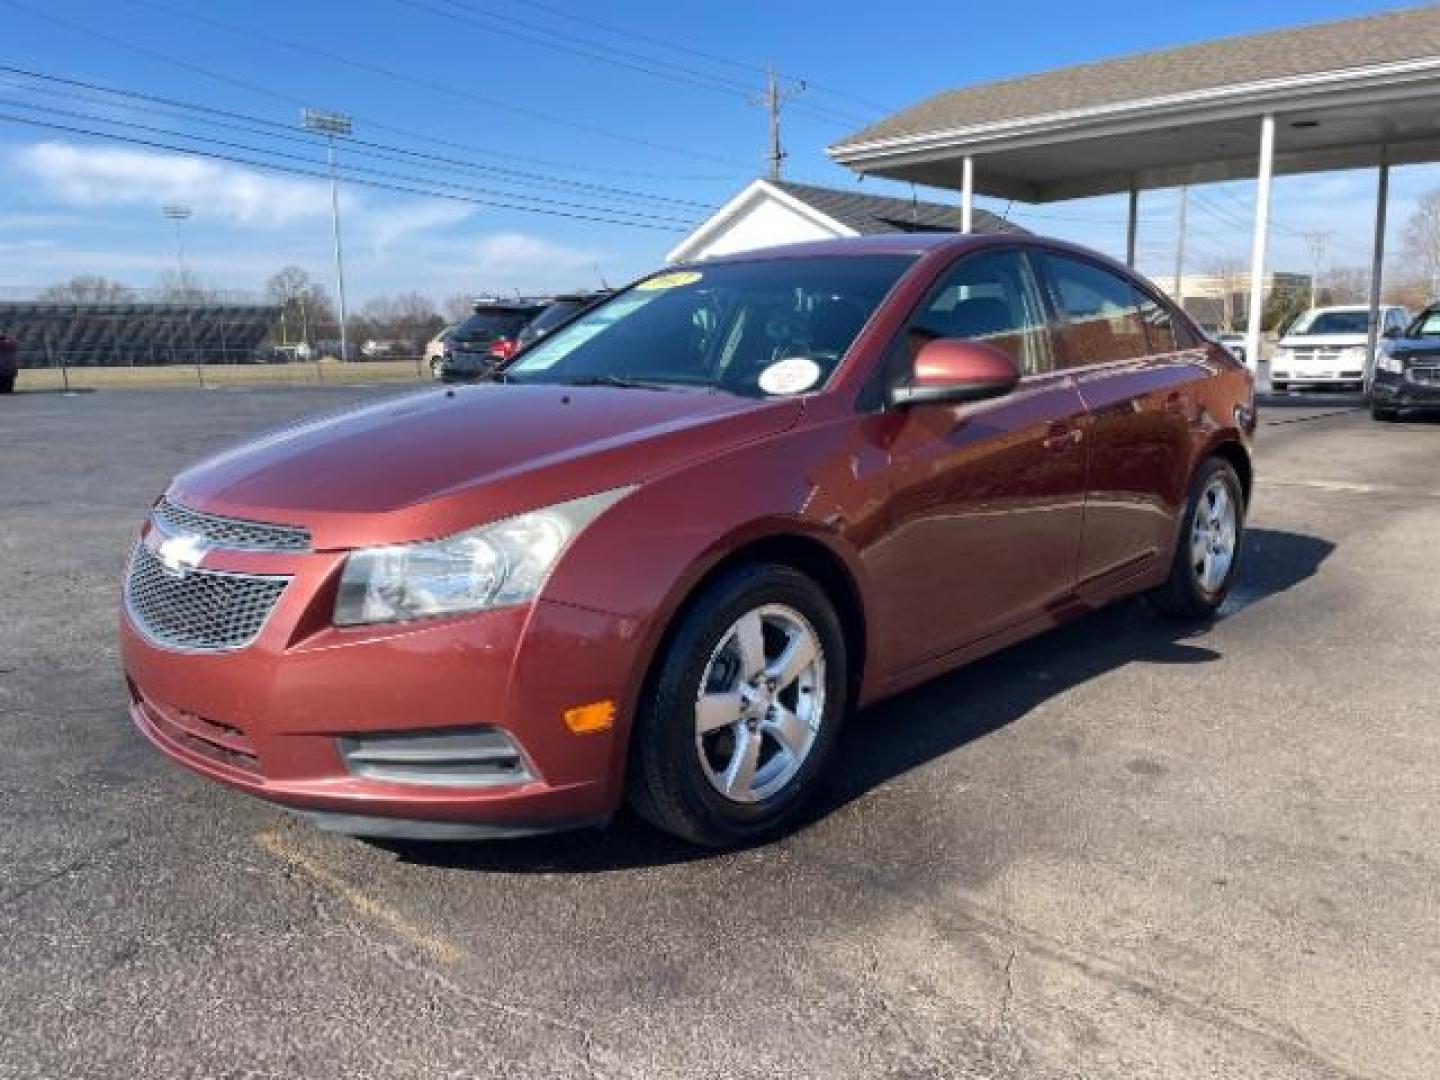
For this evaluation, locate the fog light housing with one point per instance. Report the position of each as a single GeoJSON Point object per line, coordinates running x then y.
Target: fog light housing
{"type": "Point", "coordinates": [454, 757]}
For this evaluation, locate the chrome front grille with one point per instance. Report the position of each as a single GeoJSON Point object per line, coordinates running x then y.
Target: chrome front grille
{"type": "Point", "coordinates": [234, 534]}
{"type": "Point", "coordinates": [204, 610]}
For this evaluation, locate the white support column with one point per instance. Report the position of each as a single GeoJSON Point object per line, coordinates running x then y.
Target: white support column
{"type": "Point", "coordinates": [967, 195]}
{"type": "Point", "coordinates": [1257, 248]}
{"type": "Point", "coordinates": [1132, 219]}
{"type": "Point", "coordinates": [1377, 261]}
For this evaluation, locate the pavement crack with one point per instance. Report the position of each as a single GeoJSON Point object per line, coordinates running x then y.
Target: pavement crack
{"type": "Point", "coordinates": [78, 866]}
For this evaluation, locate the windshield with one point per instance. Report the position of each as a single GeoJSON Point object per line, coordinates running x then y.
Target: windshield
{"type": "Point", "coordinates": [1333, 322]}
{"type": "Point", "coordinates": [486, 326]}
{"type": "Point", "coordinates": [722, 327]}
{"type": "Point", "coordinates": [1427, 325]}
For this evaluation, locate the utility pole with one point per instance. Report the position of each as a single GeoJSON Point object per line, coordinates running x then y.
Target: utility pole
{"type": "Point", "coordinates": [331, 124]}
{"type": "Point", "coordinates": [1178, 292]}
{"type": "Point", "coordinates": [772, 101]}
{"type": "Point", "coordinates": [1318, 242]}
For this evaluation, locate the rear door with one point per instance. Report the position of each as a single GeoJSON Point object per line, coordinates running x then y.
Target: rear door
{"type": "Point", "coordinates": [1139, 382]}
{"type": "Point", "coordinates": [986, 498]}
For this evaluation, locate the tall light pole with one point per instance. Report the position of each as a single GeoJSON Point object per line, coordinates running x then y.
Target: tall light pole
{"type": "Point", "coordinates": [178, 213]}
{"type": "Point", "coordinates": [331, 124]}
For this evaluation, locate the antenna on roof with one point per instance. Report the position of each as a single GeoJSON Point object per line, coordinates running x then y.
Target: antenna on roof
{"type": "Point", "coordinates": [914, 206]}
{"type": "Point", "coordinates": [601, 275]}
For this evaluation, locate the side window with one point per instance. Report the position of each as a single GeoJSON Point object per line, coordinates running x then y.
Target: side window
{"type": "Point", "coordinates": [1159, 327]}
{"type": "Point", "coordinates": [992, 297]}
{"type": "Point", "coordinates": [1101, 310]}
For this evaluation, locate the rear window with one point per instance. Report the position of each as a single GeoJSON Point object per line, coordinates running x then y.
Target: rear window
{"type": "Point", "coordinates": [554, 315]}
{"type": "Point", "coordinates": [488, 325]}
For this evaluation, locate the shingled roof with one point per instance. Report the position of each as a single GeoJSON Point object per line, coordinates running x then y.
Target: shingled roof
{"type": "Point", "coordinates": [871, 214]}
{"type": "Point", "coordinates": [1226, 64]}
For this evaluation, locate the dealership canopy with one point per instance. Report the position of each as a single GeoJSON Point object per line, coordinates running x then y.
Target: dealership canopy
{"type": "Point", "coordinates": [1361, 92]}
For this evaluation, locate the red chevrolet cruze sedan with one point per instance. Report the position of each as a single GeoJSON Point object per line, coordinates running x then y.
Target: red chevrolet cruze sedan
{"type": "Point", "coordinates": [661, 558]}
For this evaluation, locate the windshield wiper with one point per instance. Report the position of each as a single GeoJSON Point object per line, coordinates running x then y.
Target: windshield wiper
{"type": "Point", "coordinates": [617, 381]}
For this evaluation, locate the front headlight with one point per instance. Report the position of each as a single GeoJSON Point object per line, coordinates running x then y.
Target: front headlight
{"type": "Point", "coordinates": [503, 563]}
{"type": "Point", "coordinates": [1355, 354]}
{"type": "Point", "coordinates": [1388, 361]}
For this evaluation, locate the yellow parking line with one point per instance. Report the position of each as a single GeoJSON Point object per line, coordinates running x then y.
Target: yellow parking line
{"type": "Point", "coordinates": [438, 948]}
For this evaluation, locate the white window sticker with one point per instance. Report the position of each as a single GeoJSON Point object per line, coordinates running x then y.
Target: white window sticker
{"type": "Point", "coordinates": [794, 375]}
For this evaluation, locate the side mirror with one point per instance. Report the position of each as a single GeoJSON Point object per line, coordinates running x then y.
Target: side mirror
{"type": "Point", "coordinates": [951, 370]}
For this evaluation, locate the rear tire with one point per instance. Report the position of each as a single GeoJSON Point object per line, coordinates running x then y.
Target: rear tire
{"type": "Point", "coordinates": [7, 384]}
{"type": "Point", "coordinates": [1207, 552]}
{"type": "Point", "coordinates": [1383, 413]}
{"type": "Point", "coordinates": [743, 711]}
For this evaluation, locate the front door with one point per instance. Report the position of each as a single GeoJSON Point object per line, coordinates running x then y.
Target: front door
{"type": "Point", "coordinates": [986, 498]}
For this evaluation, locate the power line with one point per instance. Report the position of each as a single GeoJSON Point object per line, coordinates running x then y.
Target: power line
{"type": "Point", "coordinates": [384, 174]}
{"type": "Point", "coordinates": [290, 99]}
{"type": "Point", "coordinates": [750, 66]}
{"type": "Point", "coordinates": [607, 54]}
{"type": "Point", "coordinates": [224, 118]}
{"type": "Point", "coordinates": [317, 173]}
{"type": "Point", "coordinates": [416, 80]}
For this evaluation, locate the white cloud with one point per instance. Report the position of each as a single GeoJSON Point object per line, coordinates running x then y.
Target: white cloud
{"type": "Point", "coordinates": [385, 226]}
{"type": "Point", "coordinates": [93, 176]}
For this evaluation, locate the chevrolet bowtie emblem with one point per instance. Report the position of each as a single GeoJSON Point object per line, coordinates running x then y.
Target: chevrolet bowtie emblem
{"type": "Point", "coordinates": [180, 554]}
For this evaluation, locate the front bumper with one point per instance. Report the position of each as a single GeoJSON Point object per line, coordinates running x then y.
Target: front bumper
{"type": "Point", "coordinates": [460, 366]}
{"type": "Point", "coordinates": [1318, 373]}
{"type": "Point", "coordinates": [1408, 389]}
{"type": "Point", "coordinates": [268, 718]}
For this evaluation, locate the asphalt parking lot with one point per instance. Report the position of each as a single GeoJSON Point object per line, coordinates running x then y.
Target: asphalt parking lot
{"type": "Point", "coordinates": [1124, 850]}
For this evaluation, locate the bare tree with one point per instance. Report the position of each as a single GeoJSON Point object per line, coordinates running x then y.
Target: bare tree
{"type": "Point", "coordinates": [1344, 285]}
{"type": "Point", "coordinates": [457, 307]}
{"type": "Point", "coordinates": [409, 318]}
{"type": "Point", "coordinates": [1421, 240]}
{"type": "Point", "coordinates": [305, 309]}
{"type": "Point", "coordinates": [183, 287]}
{"type": "Point", "coordinates": [89, 289]}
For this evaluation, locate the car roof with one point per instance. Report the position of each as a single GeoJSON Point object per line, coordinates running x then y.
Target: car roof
{"type": "Point", "coordinates": [917, 243]}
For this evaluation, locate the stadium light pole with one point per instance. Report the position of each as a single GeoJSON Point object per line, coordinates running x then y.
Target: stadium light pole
{"type": "Point", "coordinates": [178, 213]}
{"type": "Point", "coordinates": [331, 124]}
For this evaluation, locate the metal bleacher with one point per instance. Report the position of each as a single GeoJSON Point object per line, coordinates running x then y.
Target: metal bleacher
{"type": "Point", "coordinates": [134, 334]}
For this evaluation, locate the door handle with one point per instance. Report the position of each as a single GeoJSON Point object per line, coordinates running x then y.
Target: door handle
{"type": "Point", "coordinates": [1062, 437]}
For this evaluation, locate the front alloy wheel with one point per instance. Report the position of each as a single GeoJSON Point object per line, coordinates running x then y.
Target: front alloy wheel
{"type": "Point", "coordinates": [760, 704]}
{"type": "Point", "coordinates": [743, 708]}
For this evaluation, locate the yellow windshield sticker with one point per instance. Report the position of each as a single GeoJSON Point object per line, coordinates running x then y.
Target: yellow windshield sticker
{"type": "Point", "coordinates": [670, 281]}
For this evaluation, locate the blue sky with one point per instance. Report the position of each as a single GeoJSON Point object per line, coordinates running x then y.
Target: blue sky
{"type": "Point", "coordinates": [584, 129]}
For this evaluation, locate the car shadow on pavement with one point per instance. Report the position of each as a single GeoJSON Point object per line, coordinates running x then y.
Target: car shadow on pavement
{"type": "Point", "coordinates": [927, 723]}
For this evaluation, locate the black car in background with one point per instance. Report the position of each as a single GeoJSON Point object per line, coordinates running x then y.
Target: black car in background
{"type": "Point", "coordinates": [9, 364]}
{"type": "Point", "coordinates": [1407, 368]}
{"type": "Point", "coordinates": [559, 311]}
{"type": "Point", "coordinates": [487, 338]}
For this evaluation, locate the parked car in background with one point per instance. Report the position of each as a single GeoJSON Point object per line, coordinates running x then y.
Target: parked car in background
{"type": "Point", "coordinates": [1234, 341]}
{"type": "Point", "coordinates": [560, 310]}
{"type": "Point", "coordinates": [691, 530]}
{"type": "Point", "coordinates": [1407, 370]}
{"type": "Point", "coordinates": [9, 364]}
{"type": "Point", "coordinates": [435, 351]}
{"type": "Point", "coordinates": [486, 339]}
{"type": "Point", "coordinates": [1326, 346]}
{"type": "Point", "coordinates": [378, 350]}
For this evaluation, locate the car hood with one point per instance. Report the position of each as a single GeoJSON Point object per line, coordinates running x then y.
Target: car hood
{"type": "Point", "coordinates": [1428, 346]}
{"type": "Point", "coordinates": [1322, 341]}
{"type": "Point", "coordinates": [432, 463]}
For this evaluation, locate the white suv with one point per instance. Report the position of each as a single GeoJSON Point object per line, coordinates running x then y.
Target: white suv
{"type": "Point", "coordinates": [1326, 346]}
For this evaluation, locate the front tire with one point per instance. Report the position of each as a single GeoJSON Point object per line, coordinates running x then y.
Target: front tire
{"type": "Point", "coordinates": [1208, 550]}
{"type": "Point", "coordinates": [742, 714]}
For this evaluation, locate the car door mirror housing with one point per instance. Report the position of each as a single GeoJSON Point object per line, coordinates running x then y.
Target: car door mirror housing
{"type": "Point", "coordinates": [952, 370]}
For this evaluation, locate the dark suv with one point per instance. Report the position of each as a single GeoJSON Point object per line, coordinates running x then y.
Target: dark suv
{"type": "Point", "coordinates": [9, 364]}
{"type": "Point", "coordinates": [1407, 368]}
{"type": "Point", "coordinates": [489, 337]}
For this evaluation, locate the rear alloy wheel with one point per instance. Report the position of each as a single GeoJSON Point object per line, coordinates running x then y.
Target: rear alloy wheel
{"type": "Point", "coordinates": [1209, 544]}
{"type": "Point", "coordinates": [744, 710]}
